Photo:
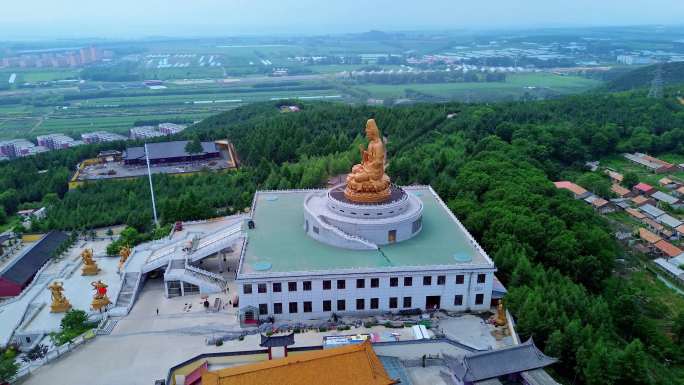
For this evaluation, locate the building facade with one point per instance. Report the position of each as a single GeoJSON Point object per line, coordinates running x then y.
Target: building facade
{"type": "Point", "coordinates": [286, 273]}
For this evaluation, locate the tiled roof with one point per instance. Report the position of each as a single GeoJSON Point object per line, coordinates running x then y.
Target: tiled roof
{"type": "Point", "coordinates": [575, 189]}
{"type": "Point", "coordinates": [615, 175]}
{"type": "Point", "coordinates": [639, 200]}
{"type": "Point", "coordinates": [164, 150]}
{"type": "Point", "coordinates": [27, 264]}
{"type": "Point", "coordinates": [648, 236]}
{"type": "Point", "coordinates": [635, 213]}
{"type": "Point", "coordinates": [500, 362]}
{"type": "Point", "coordinates": [665, 181]}
{"type": "Point", "coordinates": [276, 341]}
{"type": "Point", "coordinates": [352, 364]}
{"type": "Point", "coordinates": [599, 202]}
{"type": "Point", "coordinates": [668, 249]}
{"type": "Point", "coordinates": [652, 224]}
{"type": "Point", "coordinates": [643, 187]}
{"type": "Point", "coordinates": [619, 190]}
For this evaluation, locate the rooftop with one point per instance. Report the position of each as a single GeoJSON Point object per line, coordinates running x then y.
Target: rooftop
{"type": "Point", "coordinates": [664, 197]}
{"type": "Point", "coordinates": [648, 236]}
{"type": "Point", "coordinates": [575, 189]}
{"type": "Point", "coordinates": [669, 221]}
{"type": "Point", "coordinates": [652, 210]}
{"type": "Point", "coordinates": [278, 243]}
{"type": "Point", "coordinates": [163, 150]}
{"type": "Point", "coordinates": [643, 187]}
{"type": "Point", "coordinates": [635, 213]}
{"type": "Point", "coordinates": [619, 190]}
{"type": "Point", "coordinates": [668, 249]}
{"type": "Point", "coordinates": [495, 363]}
{"type": "Point", "coordinates": [27, 264]}
{"type": "Point", "coordinates": [353, 364]}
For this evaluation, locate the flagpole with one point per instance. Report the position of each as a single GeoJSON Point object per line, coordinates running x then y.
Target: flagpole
{"type": "Point", "coordinates": [149, 175]}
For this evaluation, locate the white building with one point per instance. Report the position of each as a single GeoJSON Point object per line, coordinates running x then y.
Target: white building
{"type": "Point", "coordinates": [171, 128]}
{"type": "Point", "coordinates": [101, 136]}
{"type": "Point", "coordinates": [287, 271]}
{"type": "Point", "coordinates": [144, 132]}
{"type": "Point", "coordinates": [55, 141]}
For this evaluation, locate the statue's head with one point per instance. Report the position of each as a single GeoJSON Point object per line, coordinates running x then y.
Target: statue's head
{"type": "Point", "coordinates": [372, 131]}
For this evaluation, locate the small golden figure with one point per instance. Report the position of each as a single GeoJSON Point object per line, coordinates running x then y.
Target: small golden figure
{"type": "Point", "coordinates": [59, 302]}
{"type": "Point", "coordinates": [367, 182]}
{"type": "Point", "coordinates": [124, 253]}
{"type": "Point", "coordinates": [89, 265]}
{"type": "Point", "coordinates": [500, 315]}
{"type": "Point", "coordinates": [100, 299]}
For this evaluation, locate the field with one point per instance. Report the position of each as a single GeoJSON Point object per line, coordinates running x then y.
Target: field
{"type": "Point", "coordinates": [119, 113]}
{"type": "Point", "coordinates": [514, 87]}
{"type": "Point", "coordinates": [207, 76]}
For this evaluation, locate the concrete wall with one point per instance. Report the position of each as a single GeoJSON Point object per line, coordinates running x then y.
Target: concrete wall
{"type": "Point", "coordinates": [418, 292]}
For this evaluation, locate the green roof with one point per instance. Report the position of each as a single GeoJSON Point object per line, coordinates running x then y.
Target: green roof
{"type": "Point", "coordinates": [278, 243]}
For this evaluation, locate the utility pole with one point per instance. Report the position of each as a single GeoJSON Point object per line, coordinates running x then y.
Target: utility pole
{"type": "Point", "coordinates": [149, 176]}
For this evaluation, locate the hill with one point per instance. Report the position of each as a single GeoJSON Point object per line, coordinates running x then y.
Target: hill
{"type": "Point", "coordinates": [492, 163]}
{"type": "Point", "coordinates": [673, 73]}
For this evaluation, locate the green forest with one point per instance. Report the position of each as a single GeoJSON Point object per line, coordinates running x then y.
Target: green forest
{"type": "Point", "coordinates": [492, 163]}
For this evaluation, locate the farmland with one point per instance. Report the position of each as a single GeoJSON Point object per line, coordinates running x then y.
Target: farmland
{"type": "Point", "coordinates": [188, 80]}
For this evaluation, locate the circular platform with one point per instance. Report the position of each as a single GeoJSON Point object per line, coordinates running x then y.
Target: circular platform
{"type": "Point", "coordinates": [333, 219]}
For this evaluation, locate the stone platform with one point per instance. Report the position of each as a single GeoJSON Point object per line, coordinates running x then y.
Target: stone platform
{"type": "Point", "coordinates": [333, 219]}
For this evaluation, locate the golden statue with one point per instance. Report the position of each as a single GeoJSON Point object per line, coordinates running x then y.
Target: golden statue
{"type": "Point", "coordinates": [500, 315]}
{"type": "Point", "coordinates": [89, 265]}
{"type": "Point", "coordinates": [124, 253]}
{"type": "Point", "coordinates": [367, 182]}
{"type": "Point", "coordinates": [59, 302]}
{"type": "Point", "coordinates": [100, 299]}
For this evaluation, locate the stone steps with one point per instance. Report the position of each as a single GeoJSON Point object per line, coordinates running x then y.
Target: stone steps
{"type": "Point", "coordinates": [109, 325]}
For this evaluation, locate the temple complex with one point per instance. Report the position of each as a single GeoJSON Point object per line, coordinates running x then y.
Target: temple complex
{"type": "Point", "coordinates": [364, 246]}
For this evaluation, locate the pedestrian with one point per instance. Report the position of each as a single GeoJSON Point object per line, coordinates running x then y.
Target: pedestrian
{"type": "Point", "coordinates": [157, 311]}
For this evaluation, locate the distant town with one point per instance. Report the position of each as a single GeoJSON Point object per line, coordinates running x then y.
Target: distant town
{"type": "Point", "coordinates": [17, 148]}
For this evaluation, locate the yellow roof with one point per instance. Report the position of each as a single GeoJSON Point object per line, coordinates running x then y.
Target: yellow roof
{"type": "Point", "coordinates": [348, 365]}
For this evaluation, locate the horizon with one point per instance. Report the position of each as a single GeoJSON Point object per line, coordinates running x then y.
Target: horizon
{"type": "Point", "coordinates": [78, 19]}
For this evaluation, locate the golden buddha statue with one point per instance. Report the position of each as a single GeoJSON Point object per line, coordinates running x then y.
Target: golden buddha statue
{"type": "Point", "coordinates": [367, 182]}
{"type": "Point", "coordinates": [89, 265]}
{"type": "Point", "coordinates": [100, 299]}
{"type": "Point", "coordinates": [59, 302]}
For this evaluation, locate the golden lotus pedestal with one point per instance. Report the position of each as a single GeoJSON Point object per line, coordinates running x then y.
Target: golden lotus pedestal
{"type": "Point", "coordinates": [100, 303]}
{"type": "Point", "coordinates": [90, 270]}
{"type": "Point", "coordinates": [60, 307]}
{"type": "Point", "coordinates": [369, 191]}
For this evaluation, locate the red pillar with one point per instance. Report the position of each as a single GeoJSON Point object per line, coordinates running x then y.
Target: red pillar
{"type": "Point", "coordinates": [269, 354]}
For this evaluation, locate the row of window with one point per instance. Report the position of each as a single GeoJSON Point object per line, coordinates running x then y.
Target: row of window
{"type": "Point", "coordinates": [341, 304]}
{"type": "Point", "coordinates": [341, 284]}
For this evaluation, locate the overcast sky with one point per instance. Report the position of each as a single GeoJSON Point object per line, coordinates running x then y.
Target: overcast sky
{"type": "Point", "coordinates": [137, 18]}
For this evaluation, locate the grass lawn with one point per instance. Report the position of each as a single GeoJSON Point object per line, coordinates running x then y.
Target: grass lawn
{"type": "Point", "coordinates": [44, 75]}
